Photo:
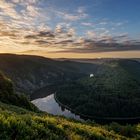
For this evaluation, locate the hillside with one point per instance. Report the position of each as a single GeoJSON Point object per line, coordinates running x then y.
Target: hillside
{"type": "Point", "coordinates": [8, 95]}
{"type": "Point", "coordinates": [115, 86]}
{"type": "Point", "coordinates": [30, 73]}
{"type": "Point", "coordinates": [21, 124]}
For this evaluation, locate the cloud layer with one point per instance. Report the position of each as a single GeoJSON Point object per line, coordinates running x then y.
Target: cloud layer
{"type": "Point", "coordinates": [27, 25]}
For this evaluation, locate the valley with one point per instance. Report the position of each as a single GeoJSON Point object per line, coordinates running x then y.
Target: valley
{"type": "Point", "coordinates": [95, 98]}
{"type": "Point", "coordinates": [111, 92]}
{"type": "Point", "coordinates": [69, 70]}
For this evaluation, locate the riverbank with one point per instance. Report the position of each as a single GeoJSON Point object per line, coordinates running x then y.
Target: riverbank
{"type": "Point", "coordinates": [49, 105]}
{"type": "Point", "coordinates": [44, 93]}
{"type": "Point", "coordinates": [133, 120]}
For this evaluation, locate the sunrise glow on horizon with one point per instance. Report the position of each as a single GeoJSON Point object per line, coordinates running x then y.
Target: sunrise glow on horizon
{"type": "Point", "coordinates": [70, 29]}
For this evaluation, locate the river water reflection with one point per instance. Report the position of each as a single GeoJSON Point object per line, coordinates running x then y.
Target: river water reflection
{"type": "Point", "coordinates": [48, 104]}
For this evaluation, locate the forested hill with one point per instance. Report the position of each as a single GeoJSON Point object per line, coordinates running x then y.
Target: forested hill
{"type": "Point", "coordinates": [8, 95]}
{"type": "Point", "coordinates": [113, 91]}
{"type": "Point", "coordinates": [30, 73]}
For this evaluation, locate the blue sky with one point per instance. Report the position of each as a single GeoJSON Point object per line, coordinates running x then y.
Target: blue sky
{"type": "Point", "coordinates": [125, 12]}
{"type": "Point", "coordinates": [79, 26]}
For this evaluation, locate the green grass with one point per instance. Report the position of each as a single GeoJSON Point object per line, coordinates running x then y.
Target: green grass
{"type": "Point", "coordinates": [20, 124]}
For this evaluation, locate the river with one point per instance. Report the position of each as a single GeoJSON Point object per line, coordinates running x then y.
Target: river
{"type": "Point", "coordinates": [49, 105]}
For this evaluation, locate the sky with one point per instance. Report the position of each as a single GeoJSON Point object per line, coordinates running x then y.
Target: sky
{"type": "Point", "coordinates": [70, 28]}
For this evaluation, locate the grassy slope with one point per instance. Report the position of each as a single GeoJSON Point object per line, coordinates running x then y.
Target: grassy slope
{"type": "Point", "coordinates": [20, 124]}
